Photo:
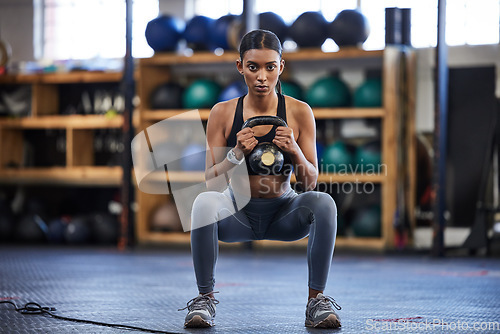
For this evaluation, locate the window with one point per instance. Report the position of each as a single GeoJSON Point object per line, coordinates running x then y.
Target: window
{"type": "Point", "coordinates": [84, 29]}
{"type": "Point", "coordinates": [217, 8]}
{"type": "Point", "coordinates": [468, 21]}
{"type": "Point", "coordinates": [472, 22]}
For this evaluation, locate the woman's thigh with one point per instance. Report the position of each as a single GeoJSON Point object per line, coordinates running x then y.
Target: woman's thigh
{"type": "Point", "coordinates": [293, 221]}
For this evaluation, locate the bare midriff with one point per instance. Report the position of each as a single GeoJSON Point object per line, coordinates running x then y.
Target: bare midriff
{"type": "Point", "coordinates": [268, 186]}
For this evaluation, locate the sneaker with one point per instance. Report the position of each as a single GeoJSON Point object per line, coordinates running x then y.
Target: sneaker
{"type": "Point", "coordinates": [201, 311]}
{"type": "Point", "coordinates": [320, 314]}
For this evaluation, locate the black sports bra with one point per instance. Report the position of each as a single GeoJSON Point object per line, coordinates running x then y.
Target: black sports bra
{"type": "Point", "coordinates": [268, 137]}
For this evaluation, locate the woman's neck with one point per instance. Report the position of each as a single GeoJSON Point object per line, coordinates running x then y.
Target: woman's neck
{"type": "Point", "coordinates": [261, 104]}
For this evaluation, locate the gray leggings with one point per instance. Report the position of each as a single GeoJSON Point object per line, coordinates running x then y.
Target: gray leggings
{"type": "Point", "coordinates": [289, 217]}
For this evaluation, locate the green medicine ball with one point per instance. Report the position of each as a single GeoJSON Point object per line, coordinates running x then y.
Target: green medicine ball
{"type": "Point", "coordinates": [202, 93]}
{"type": "Point", "coordinates": [337, 158]}
{"type": "Point", "coordinates": [368, 157]}
{"type": "Point", "coordinates": [366, 222]}
{"type": "Point", "coordinates": [329, 92]}
{"type": "Point", "coordinates": [292, 89]}
{"type": "Point", "coordinates": [369, 94]}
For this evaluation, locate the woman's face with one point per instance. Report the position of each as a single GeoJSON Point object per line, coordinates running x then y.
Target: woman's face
{"type": "Point", "coordinates": [261, 69]}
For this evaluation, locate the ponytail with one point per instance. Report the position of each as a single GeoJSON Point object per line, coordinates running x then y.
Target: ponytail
{"type": "Point", "coordinates": [278, 87]}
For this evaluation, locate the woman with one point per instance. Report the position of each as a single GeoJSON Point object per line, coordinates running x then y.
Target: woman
{"type": "Point", "coordinates": [275, 211]}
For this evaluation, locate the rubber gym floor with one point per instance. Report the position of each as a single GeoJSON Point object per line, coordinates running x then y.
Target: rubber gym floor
{"type": "Point", "coordinates": [259, 291]}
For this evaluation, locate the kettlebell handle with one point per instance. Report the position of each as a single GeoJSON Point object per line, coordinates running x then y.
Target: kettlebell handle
{"type": "Point", "coordinates": [263, 120]}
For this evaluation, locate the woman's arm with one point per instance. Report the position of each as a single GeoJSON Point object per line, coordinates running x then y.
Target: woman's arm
{"type": "Point", "coordinates": [216, 161]}
{"type": "Point", "coordinates": [303, 151]}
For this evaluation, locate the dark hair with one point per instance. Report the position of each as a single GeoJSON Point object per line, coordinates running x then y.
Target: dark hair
{"type": "Point", "coordinates": [261, 39]}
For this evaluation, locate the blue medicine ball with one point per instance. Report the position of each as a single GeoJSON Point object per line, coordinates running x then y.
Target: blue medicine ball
{"type": "Point", "coordinates": [234, 90]}
{"type": "Point", "coordinates": [163, 33]}
{"type": "Point", "coordinates": [197, 32]}
{"type": "Point", "coordinates": [193, 158]}
{"type": "Point", "coordinates": [275, 23]}
{"type": "Point", "coordinates": [220, 31]}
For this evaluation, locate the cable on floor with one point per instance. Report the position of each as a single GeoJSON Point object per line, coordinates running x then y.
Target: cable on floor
{"type": "Point", "coordinates": [35, 308]}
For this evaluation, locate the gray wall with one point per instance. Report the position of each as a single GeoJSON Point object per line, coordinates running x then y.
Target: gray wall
{"type": "Point", "coordinates": [458, 56]}
{"type": "Point", "coordinates": [16, 28]}
{"type": "Point", "coordinates": [180, 8]}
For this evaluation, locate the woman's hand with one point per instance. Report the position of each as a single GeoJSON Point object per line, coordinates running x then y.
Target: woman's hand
{"type": "Point", "coordinates": [245, 142]}
{"type": "Point", "coordinates": [285, 140]}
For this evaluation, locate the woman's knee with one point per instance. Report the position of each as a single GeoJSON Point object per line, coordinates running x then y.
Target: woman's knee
{"type": "Point", "coordinates": [324, 210]}
{"type": "Point", "coordinates": [320, 202]}
{"type": "Point", "coordinates": [205, 209]}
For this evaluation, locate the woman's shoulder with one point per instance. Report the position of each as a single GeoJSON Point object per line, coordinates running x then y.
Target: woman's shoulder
{"type": "Point", "coordinates": [223, 110]}
{"type": "Point", "coordinates": [297, 108]}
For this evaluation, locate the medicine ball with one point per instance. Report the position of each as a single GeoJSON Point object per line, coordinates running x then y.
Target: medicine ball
{"type": "Point", "coordinates": [329, 92]}
{"type": "Point", "coordinates": [202, 93]}
{"type": "Point", "coordinates": [337, 158]}
{"type": "Point", "coordinates": [293, 89]}
{"type": "Point", "coordinates": [220, 31]}
{"type": "Point", "coordinates": [267, 21]}
{"type": "Point", "coordinates": [368, 157]}
{"type": "Point", "coordinates": [366, 222]}
{"type": "Point", "coordinates": [233, 90]}
{"type": "Point", "coordinates": [197, 33]}
{"type": "Point", "coordinates": [164, 32]}
{"type": "Point", "coordinates": [165, 218]}
{"type": "Point", "coordinates": [310, 29]}
{"type": "Point", "coordinates": [31, 228]}
{"type": "Point", "coordinates": [349, 28]}
{"type": "Point", "coordinates": [193, 158]}
{"type": "Point", "coordinates": [369, 94]}
{"type": "Point", "coordinates": [275, 23]}
{"type": "Point", "coordinates": [167, 96]}
{"type": "Point", "coordinates": [320, 149]}
{"type": "Point", "coordinates": [57, 229]}
{"type": "Point", "coordinates": [104, 228]}
{"type": "Point", "coordinates": [78, 231]}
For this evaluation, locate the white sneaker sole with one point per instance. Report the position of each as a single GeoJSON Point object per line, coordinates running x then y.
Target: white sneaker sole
{"type": "Point", "coordinates": [329, 322]}
{"type": "Point", "coordinates": [198, 322]}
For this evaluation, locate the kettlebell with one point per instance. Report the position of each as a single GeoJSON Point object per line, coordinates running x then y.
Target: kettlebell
{"type": "Point", "coordinates": [265, 158]}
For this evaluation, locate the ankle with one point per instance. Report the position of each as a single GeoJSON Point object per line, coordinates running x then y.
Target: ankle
{"type": "Point", "coordinates": [209, 294]}
{"type": "Point", "coordinates": [313, 293]}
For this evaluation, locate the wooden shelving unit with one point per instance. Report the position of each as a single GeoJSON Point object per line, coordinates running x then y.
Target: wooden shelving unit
{"type": "Point", "coordinates": [63, 122]}
{"type": "Point", "coordinates": [319, 113]}
{"type": "Point", "coordinates": [79, 168]}
{"type": "Point", "coordinates": [81, 176]}
{"type": "Point", "coordinates": [397, 67]}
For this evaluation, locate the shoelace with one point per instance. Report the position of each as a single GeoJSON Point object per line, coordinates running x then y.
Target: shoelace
{"type": "Point", "coordinates": [199, 302]}
{"type": "Point", "coordinates": [323, 304]}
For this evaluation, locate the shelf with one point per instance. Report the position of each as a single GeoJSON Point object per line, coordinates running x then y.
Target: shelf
{"type": "Point", "coordinates": [344, 53]}
{"type": "Point", "coordinates": [62, 122]}
{"type": "Point", "coordinates": [319, 113]}
{"type": "Point", "coordinates": [322, 177]}
{"type": "Point", "coordinates": [354, 178]}
{"type": "Point", "coordinates": [329, 113]}
{"type": "Point", "coordinates": [231, 56]}
{"type": "Point", "coordinates": [83, 176]}
{"type": "Point", "coordinates": [62, 78]}
{"type": "Point", "coordinates": [19, 78]}
{"type": "Point", "coordinates": [183, 238]}
{"type": "Point", "coordinates": [160, 115]}
{"type": "Point", "coordinates": [81, 77]}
